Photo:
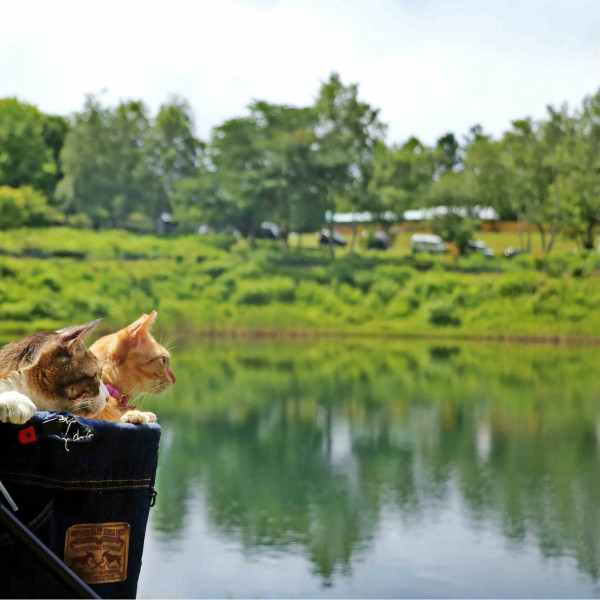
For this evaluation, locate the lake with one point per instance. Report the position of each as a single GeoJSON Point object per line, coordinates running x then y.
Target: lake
{"type": "Point", "coordinates": [355, 468]}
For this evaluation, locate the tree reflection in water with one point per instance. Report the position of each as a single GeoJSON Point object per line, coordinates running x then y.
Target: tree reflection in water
{"type": "Point", "coordinates": [304, 446]}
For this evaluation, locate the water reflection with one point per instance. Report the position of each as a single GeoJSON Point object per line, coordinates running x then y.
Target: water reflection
{"type": "Point", "coordinates": [314, 446]}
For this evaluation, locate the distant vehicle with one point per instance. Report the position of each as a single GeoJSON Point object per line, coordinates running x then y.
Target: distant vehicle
{"type": "Point", "coordinates": [427, 242]}
{"type": "Point", "coordinates": [378, 240]}
{"type": "Point", "coordinates": [227, 230]}
{"type": "Point", "coordinates": [325, 237]}
{"type": "Point", "coordinates": [479, 247]}
{"type": "Point", "coordinates": [268, 231]}
{"type": "Point", "coordinates": [512, 251]}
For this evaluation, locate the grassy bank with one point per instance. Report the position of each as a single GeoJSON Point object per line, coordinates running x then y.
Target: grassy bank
{"type": "Point", "coordinates": [200, 284]}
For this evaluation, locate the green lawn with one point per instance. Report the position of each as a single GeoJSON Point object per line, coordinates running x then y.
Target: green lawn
{"type": "Point", "coordinates": [54, 277]}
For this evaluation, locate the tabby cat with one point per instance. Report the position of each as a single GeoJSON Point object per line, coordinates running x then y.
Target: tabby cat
{"type": "Point", "coordinates": [133, 363]}
{"type": "Point", "coordinates": [50, 370]}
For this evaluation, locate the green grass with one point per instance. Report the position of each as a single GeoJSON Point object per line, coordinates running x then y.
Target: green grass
{"type": "Point", "coordinates": [50, 278]}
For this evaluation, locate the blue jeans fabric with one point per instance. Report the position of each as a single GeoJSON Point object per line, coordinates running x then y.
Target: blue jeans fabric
{"type": "Point", "coordinates": [56, 483]}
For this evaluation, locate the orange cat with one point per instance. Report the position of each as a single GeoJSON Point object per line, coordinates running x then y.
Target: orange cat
{"type": "Point", "coordinates": [133, 362]}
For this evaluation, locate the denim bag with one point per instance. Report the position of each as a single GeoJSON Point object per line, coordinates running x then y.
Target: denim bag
{"type": "Point", "coordinates": [84, 487]}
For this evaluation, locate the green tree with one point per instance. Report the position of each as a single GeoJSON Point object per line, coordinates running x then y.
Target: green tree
{"type": "Point", "coordinates": [402, 175]}
{"type": "Point", "coordinates": [55, 129]}
{"type": "Point", "coordinates": [25, 156]}
{"type": "Point", "coordinates": [106, 174]}
{"type": "Point", "coordinates": [347, 133]}
{"type": "Point", "coordinates": [576, 160]}
{"type": "Point", "coordinates": [239, 162]}
{"type": "Point", "coordinates": [526, 148]}
{"type": "Point", "coordinates": [172, 151]}
{"type": "Point", "coordinates": [447, 154]}
{"type": "Point", "coordinates": [286, 137]}
{"type": "Point", "coordinates": [455, 228]}
{"type": "Point", "coordinates": [484, 160]}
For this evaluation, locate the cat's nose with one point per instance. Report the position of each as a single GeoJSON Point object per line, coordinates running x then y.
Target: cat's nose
{"type": "Point", "coordinates": [173, 378]}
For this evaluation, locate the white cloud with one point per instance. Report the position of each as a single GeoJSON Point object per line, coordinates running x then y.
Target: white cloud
{"type": "Point", "coordinates": [430, 66]}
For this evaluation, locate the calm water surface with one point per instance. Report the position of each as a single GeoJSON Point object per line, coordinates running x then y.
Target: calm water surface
{"type": "Point", "coordinates": [377, 469]}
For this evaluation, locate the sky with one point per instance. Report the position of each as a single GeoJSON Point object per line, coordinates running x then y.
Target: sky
{"type": "Point", "coordinates": [430, 66]}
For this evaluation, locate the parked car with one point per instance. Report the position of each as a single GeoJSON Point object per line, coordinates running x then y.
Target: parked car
{"type": "Point", "coordinates": [427, 242]}
{"type": "Point", "coordinates": [377, 240]}
{"type": "Point", "coordinates": [512, 251]}
{"type": "Point", "coordinates": [268, 231]}
{"type": "Point", "coordinates": [325, 237]}
{"type": "Point", "coordinates": [479, 247]}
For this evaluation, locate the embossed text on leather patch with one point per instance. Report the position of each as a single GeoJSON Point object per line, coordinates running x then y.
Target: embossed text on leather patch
{"type": "Point", "coordinates": [98, 552]}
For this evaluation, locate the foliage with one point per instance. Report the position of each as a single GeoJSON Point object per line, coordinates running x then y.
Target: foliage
{"type": "Point", "coordinates": [123, 167]}
{"type": "Point", "coordinates": [455, 228]}
{"type": "Point", "coordinates": [50, 278]}
{"type": "Point", "coordinates": [25, 206]}
{"type": "Point", "coordinates": [26, 146]}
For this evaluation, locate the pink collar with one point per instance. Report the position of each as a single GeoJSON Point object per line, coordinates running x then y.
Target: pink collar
{"type": "Point", "coordinates": [116, 394]}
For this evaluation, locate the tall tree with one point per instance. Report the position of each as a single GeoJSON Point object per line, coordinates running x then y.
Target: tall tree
{"type": "Point", "coordinates": [484, 160]}
{"type": "Point", "coordinates": [576, 160]}
{"type": "Point", "coordinates": [402, 175]}
{"type": "Point", "coordinates": [172, 151]}
{"type": "Point", "coordinates": [526, 151]}
{"type": "Point", "coordinates": [239, 163]}
{"type": "Point", "coordinates": [106, 176]}
{"type": "Point", "coordinates": [25, 156]}
{"type": "Point", "coordinates": [347, 133]}
{"type": "Point", "coordinates": [447, 154]}
{"type": "Point", "coordinates": [287, 140]}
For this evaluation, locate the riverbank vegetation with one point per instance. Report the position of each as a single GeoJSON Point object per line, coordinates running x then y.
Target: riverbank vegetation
{"type": "Point", "coordinates": [109, 176]}
{"type": "Point", "coordinates": [209, 285]}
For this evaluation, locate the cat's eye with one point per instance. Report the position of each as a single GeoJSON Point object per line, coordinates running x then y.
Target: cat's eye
{"type": "Point", "coordinates": [164, 359]}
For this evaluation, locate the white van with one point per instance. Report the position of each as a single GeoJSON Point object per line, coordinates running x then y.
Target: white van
{"type": "Point", "coordinates": [427, 242]}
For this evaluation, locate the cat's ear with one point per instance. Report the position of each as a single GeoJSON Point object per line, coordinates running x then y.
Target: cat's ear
{"type": "Point", "coordinates": [140, 328]}
{"type": "Point", "coordinates": [70, 336]}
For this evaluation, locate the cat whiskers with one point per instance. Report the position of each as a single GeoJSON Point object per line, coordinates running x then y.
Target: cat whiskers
{"type": "Point", "coordinates": [142, 397]}
{"type": "Point", "coordinates": [87, 406]}
{"type": "Point", "coordinates": [168, 343]}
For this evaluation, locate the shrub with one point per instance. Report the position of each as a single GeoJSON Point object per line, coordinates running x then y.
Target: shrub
{"type": "Point", "coordinates": [13, 212]}
{"type": "Point", "coordinates": [52, 283]}
{"type": "Point", "coordinates": [444, 315]}
{"type": "Point", "coordinates": [221, 241]}
{"type": "Point", "coordinates": [399, 308]}
{"type": "Point", "coordinates": [479, 263]}
{"type": "Point", "coordinates": [213, 268]}
{"type": "Point", "coordinates": [364, 280]}
{"type": "Point", "coordinates": [579, 268]}
{"type": "Point", "coordinates": [340, 271]}
{"type": "Point", "coordinates": [385, 289]}
{"type": "Point", "coordinates": [38, 212]}
{"type": "Point", "coordinates": [6, 271]}
{"type": "Point", "coordinates": [519, 284]}
{"type": "Point", "coordinates": [261, 292]}
{"type": "Point", "coordinates": [310, 292]}
{"type": "Point", "coordinates": [79, 221]}
{"type": "Point", "coordinates": [349, 294]}
{"type": "Point", "coordinates": [439, 284]}
{"type": "Point", "coordinates": [400, 274]}
{"type": "Point", "coordinates": [555, 266]}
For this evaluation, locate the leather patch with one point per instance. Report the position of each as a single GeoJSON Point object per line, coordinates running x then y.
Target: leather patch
{"type": "Point", "coordinates": [98, 552]}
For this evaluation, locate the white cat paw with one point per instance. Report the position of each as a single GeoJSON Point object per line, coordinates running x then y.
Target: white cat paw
{"type": "Point", "coordinates": [15, 408]}
{"type": "Point", "coordinates": [137, 417]}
